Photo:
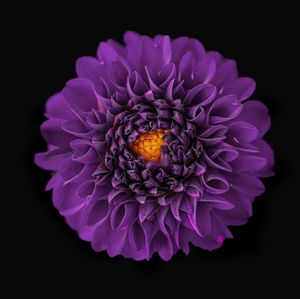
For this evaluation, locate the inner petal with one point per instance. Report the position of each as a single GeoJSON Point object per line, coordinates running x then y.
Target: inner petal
{"type": "Point", "coordinates": [148, 145]}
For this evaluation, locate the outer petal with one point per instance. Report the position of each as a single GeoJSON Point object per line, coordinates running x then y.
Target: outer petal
{"type": "Point", "coordinates": [242, 88]}
{"type": "Point", "coordinates": [246, 184]}
{"type": "Point", "coordinates": [225, 73]}
{"type": "Point", "coordinates": [266, 152]}
{"type": "Point", "coordinates": [224, 109]}
{"type": "Point", "coordinates": [80, 95]}
{"type": "Point", "coordinates": [52, 159]}
{"type": "Point", "coordinates": [106, 53]}
{"type": "Point", "coordinates": [90, 68]}
{"type": "Point", "coordinates": [256, 113]}
{"type": "Point", "coordinates": [53, 133]}
{"type": "Point", "coordinates": [145, 52]}
{"type": "Point", "coordinates": [182, 45]}
{"type": "Point", "coordinates": [66, 200]}
{"type": "Point", "coordinates": [57, 107]}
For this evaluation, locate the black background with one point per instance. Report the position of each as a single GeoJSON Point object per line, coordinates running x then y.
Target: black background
{"type": "Point", "coordinates": [46, 256]}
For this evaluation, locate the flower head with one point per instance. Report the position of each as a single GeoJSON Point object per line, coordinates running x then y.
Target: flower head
{"type": "Point", "coordinates": [155, 146]}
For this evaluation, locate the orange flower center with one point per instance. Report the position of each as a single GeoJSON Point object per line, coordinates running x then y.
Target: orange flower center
{"type": "Point", "coordinates": [148, 145]}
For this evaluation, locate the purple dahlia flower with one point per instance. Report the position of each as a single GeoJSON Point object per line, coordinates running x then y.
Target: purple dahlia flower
{"type": "Point", "coordinates": [155, 146]}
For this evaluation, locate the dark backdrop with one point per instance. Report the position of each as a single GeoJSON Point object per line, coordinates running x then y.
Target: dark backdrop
{"type": "Point", "coordinates": [47, 256]}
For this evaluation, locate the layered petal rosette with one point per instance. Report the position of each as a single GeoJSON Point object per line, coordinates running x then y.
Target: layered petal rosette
{"type": "Point", "coordinates": [155, 146]}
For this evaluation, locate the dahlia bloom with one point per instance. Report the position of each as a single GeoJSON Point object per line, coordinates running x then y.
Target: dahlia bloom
{"type": "Point", "coordinates": [155, 146]}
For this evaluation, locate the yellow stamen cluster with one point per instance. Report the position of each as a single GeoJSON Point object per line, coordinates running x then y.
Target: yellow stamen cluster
{"type": "Point", "coordinates": [148, 145]}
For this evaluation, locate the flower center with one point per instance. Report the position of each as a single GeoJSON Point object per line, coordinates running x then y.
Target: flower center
{"type": "Point", "coordinates": [148, 145]}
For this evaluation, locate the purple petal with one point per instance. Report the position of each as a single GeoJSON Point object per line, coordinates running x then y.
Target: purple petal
{"type": "Point", "coordinates": [215, 183]}
{"type": "Point", "coordinates": [182, 45]}
{"type": "Point", "coordinates": [80, 95]}
{"type": "Point", "coordinates": [248, 163]}
{"type": "Point", "coordinates": [175, 204]}
{"type": "Point", "coordinates": [65, 199]}
{"type": "Point", "coordinates": [106, 53]}
{"type": "Point", "coordinates": [161, 214]}
{"type": "Point", "coordinates": [145, 210]}
{"type": "Point", "coordinates": [98, 213]}
{"type": "Point", "coordinates": [266, 152]}
{"type": "Point", "coordinates": [256, 113]}
{"type": "Point", "coordinates": [52, 159]}
{"type": "Point", "coordinates": [56, 107]}
{"type": "Point", "coordinates": [224, 109]}
{"type": "Point", "coordinates": [164, 246]}
{"type": "Point", "coordinates": [99, 240]}
{"type": "Point", "coordinates": [53, 133]}
{"type": "Point", "coordinates": [90, 68]}
{"type": "Point", "coordinates": [242, 132]}
{"type": "Point", "coordinates": [204, 70]}
{"type": "Point", "coordinates": [137, 236]}
{"type": "Point", "coordinates": [217, 202]}
{"type": "Point", "coordinates": [116, 242]}
{"type": "Point", "coordinates": [243, 88]}
{"type": "Point", "coordinates": [246, 184]}
{"type": "Point", "coordinates": [116, 196]}
{"type": "Point", "coordinates": [227, 72]}
{"type": "Point", "coordinates": [200, 219]}
{"type": "Point", "coordinates": [186, 67]}
{"type": "Point", "coordinates": [123, 215]}
{"type": "Point", "coordinates": [130, 37]}
{"type": "Point", "coordinates": [201, 94]}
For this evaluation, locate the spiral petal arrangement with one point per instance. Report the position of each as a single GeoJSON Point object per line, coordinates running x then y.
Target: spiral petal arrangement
{"type": "Point", "coordinates": [154, 146]}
